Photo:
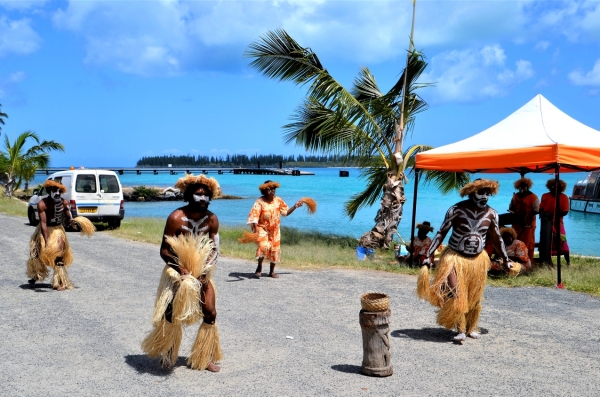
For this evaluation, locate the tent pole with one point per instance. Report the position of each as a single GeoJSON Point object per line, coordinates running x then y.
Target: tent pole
{"type": "Point", "coordinates": [414, 214]}
{"type": "Point", "coordinates": [557, 225]}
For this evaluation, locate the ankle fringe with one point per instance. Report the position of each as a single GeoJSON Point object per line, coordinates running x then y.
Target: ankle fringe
{"type": "Point", "coordinates": [60, 279]}
{"type": "Point", "coordinates": [164, 342]}
{"type": "Point", "coordinates": [206, 348]}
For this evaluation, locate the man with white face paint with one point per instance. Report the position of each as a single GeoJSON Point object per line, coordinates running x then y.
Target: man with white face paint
{"type": "Point", "coordinates": [49, 247]}
{"type": "Point", "coordinates": [460, 278]}
{"type": "Point", "coordinates": [193, 219]}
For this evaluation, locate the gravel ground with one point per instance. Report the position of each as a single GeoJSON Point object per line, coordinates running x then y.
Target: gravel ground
{"type": "Point", "coordinates": [86, 341]}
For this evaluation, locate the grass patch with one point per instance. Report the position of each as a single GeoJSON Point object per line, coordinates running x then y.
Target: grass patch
{"type": "Point", "coordinates": [12, 205]}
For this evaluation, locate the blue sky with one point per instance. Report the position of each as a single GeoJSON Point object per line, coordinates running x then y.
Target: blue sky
{"type": "Point", "coordinates": [117, 80]}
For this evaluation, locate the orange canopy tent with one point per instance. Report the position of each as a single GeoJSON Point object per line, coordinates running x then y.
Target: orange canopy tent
{"type": "Point", "coordinates": [535, 138]}
{"type": "Point", "coordinates": [538, 137]}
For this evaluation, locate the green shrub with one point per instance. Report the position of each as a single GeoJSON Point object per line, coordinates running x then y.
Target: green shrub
{"type": "Point", "coordinates": [145, 192]}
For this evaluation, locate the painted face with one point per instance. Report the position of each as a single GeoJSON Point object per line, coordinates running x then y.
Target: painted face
{"type": "Point", "coordinates": [481, 197]}
{"type": "Point", "coordinates": [55, 194]}
{"type": "Point", "coordinates": [201, 197]}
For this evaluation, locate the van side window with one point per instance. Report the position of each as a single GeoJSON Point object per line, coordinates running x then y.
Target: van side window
{"type": "Point", "coordinates": [109, 183]}
{"type": "Point", "coordinates": [58, 179]}
{"type": "Point", "coordinates": [85, 183]}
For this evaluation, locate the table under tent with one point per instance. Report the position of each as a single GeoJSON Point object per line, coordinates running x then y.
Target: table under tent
{"type": "Point", "coordinates": [537, 138]}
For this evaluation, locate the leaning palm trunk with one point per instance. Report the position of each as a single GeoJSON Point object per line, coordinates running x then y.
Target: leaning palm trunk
{"type": "Point", "coordinates": [388, 216]}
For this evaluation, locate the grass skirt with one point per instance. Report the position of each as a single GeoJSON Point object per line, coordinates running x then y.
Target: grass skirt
{"type": "Point", "coordinates": [206, 348]}
{"type": "Point", "coordinates": [458, 308]}
{"type": "Point", "coordinates": [43, 256]}
{"type": "Point", "coordinates": [164, 340]}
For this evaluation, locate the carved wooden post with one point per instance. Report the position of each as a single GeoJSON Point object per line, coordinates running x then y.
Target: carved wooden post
{"type": "Point", "coordinates": [376, 343]}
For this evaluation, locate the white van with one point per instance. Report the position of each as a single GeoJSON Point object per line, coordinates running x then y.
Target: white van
{"type": "Point", "coordinates": [95, 194]}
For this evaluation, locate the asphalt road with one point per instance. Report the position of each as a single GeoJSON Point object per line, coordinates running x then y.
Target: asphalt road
{"type": "Point", "coordinates": [86, 341]}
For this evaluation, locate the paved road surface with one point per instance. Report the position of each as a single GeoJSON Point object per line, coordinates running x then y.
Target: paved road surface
{"type": "Point", "coordinates": [86, 342]}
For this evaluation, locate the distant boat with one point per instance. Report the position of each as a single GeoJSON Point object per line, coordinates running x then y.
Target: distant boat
{"type": "Point", "coordinates": [586, 194]}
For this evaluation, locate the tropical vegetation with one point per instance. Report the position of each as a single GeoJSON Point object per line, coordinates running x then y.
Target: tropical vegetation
{"type": "Point", "coordinates": [242, 160]}
{"type": "Point", "coordinates": [19, 161]}
{"type": "Point", "coordinates": [364, 123]}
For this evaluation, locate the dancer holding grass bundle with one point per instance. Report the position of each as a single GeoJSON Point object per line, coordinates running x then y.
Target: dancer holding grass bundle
{"type": "Point", "coordinates": [186, 292]}
{"type": "Point", "coordinates": [264, 220]}
{"type": "Point", "coordinates": [460, 278]}
{"type": "Point", "coordinates": [49, 247]}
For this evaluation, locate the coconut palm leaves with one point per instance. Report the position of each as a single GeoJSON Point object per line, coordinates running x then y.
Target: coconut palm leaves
{"type": "Point", "coordinates": [19, 161]}
{"type": "Point", "coordinates": [364, 123]}
{"type": "Point", "coordinates": [2, 117]}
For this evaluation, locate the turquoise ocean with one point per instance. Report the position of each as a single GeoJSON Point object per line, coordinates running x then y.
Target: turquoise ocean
{"type": "Point", "coordinates": [331, 192]}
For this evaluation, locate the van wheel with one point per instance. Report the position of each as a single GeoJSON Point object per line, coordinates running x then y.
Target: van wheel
{"type": "Point", "coordinates": [31, 216]}
{"type": "Point", "coordinates": [114, 224]}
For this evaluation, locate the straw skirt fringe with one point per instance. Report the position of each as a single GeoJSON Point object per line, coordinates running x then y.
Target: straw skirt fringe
{"type": "Point", "coordinates": [164, 340]}
{"type": "Point", "coordinates": [42, 256]}
{"type": "Point", "coordinates": [459, 308]}
{"type": "Point", "coordinates": [206, 348]}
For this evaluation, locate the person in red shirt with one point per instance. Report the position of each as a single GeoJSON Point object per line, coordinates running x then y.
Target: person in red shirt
{"type": "Point", "coordinates": [525, 205]}
{"type": "Point", "coordinates": [547, 212]}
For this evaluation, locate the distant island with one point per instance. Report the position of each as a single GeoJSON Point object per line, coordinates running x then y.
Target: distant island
{"type": "Point", "coordinates": [242, 160]}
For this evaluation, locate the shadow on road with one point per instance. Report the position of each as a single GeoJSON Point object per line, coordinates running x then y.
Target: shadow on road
{"type": "Point", "coordinates": [440, 335]}
{"type": "Point", "coordinates": [37, 287]}
{"type": "Point", "coordinates": [247, 276]}
{"type": "Point", "coordinates": [146, 365]}
{"type": "Point", "coordinates": [347, 368]}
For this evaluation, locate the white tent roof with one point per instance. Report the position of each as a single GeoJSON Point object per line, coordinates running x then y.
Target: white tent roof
{"type": "Point", "coordinates": [537, 125]}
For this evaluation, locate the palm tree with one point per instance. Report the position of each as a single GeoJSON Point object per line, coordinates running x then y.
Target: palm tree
{"type": "Point", "coordinates": [363, 123]}
{"type": "Point", "coordinates": [17, 161]}
{"type": "Point", "coordinates": [2, 117]}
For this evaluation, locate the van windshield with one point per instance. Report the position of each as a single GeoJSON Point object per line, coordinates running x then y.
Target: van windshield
{"type": "Point", "coordinates": [109, 183]}
{"type": "Point", "coordinates": [85, 183]}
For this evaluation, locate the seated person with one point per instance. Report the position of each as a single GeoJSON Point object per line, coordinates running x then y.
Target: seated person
{"type": "Point", "coordinates": [517, 253]}
{"type": "Point", "coordinates": [420, 245]}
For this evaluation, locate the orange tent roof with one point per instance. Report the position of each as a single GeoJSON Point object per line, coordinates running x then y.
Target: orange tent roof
{"type": "Point", "coordinates": [533, 139]}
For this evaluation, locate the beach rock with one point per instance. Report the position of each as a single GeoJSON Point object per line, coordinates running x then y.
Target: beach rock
{"type": "Point", "coordinates": [141, 199]}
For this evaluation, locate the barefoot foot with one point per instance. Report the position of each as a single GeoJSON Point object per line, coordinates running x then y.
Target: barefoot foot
{"type": "Point", "coordinates": [257, 275]}
{"type": "Point", "coordinates": [274, 275]}
{"type": "Point", "coordinates": [31, 281]}
{"type": "Point", "coordinates": [213, 367]}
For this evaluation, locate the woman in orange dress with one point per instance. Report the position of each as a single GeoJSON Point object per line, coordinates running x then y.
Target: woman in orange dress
{"type": "Point", "coordinates": [547, 211]}
{"type": "Point", "coordinates": [264, 219]}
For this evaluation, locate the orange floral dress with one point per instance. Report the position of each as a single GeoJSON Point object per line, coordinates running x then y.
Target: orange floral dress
{"type": "Point", "coordinates": [267, 219]}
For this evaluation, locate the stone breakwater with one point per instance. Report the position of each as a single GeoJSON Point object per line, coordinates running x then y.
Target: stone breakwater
{"type": "Point", "coordinates": [142, 193]}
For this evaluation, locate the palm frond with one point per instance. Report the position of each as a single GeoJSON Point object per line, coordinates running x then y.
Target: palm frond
{"type": "Point", "coordinates": [376, 177]}
{"type": "Point", "coordinates": [447, 182]}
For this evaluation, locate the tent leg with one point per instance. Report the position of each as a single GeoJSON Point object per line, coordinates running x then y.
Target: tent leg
{"type": "Point", "coordinates": [557, 225]}
{"type": "Point", "coordinates": [414, 214]}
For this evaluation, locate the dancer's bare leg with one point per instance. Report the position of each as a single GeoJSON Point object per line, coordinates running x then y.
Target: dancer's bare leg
{"type": "Point", "coordinates": [272, 271]}
{"type": "Point", "coordinates": [258, 271]}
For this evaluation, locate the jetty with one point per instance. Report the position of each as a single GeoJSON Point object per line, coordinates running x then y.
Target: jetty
{"type": "Point", "coordinates": [190, 170]}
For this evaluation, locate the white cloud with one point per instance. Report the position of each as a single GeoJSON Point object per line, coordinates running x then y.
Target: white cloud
{"type": "Point", "coordinates": [591, 78]}
{"type": "Point", "coordinates": [470, 75]}
{"type": "Point", "coordinates": [10, 91]}
{"type": "Point", "coordinates": [21, 4]}
{"type": "Point", "coordinates": [170, 37]}
{"type": "Point", "coordinates": [16, 77]}
{"type": "Point", "coordinates": [542, 45]}
{"type": "Point", "coordinates": [17, 37]}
